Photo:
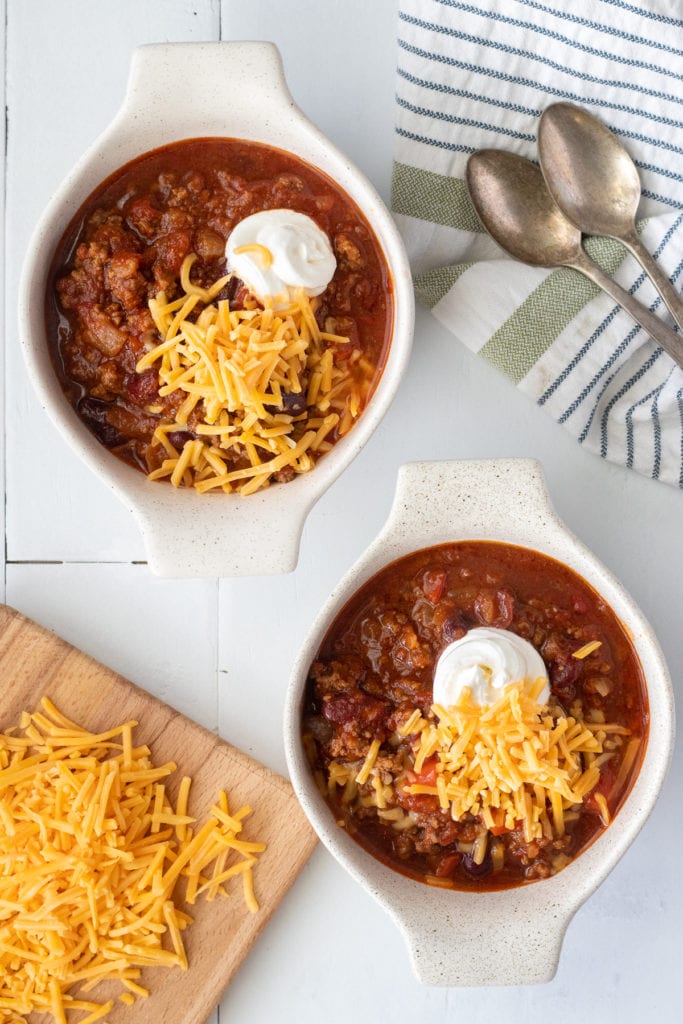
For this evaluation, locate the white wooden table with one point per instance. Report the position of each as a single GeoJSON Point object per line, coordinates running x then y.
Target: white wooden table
{"type": "Point", "coordinates": [74, 558]}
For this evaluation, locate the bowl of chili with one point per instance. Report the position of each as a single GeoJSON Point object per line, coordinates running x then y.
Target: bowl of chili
{"type": "Point", "coordinates": [125, 298]}
{"type": "Point", "coordinates": [481, 855]}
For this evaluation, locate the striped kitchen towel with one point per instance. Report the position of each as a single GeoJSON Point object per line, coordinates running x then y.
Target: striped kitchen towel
{"type": "Point", "coordinates": [478, 73]}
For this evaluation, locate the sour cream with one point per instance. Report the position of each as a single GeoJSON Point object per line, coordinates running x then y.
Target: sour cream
{"type": "Point", "coordinates": [486, 660]}
{"type": "Point", "coordinates": [276, 252]}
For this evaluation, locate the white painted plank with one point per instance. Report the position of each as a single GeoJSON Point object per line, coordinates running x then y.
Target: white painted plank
{"type": "Point", "coordinates": [160, 634]}
{"type": "Point", "coordinates": [339, 59]}
{"type": "Point", "coordinates": [66, 75]}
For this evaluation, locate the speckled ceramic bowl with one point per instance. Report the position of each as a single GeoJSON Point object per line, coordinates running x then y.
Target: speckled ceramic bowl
{"type": "Point", "coordinates": [514, 936]}
{"type": "Point", "coordinates": [191, 90]}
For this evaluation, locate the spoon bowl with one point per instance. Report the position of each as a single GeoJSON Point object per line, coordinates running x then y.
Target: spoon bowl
{"type": "Point", "coordinates": [588, 172]}
{"type": "Point", "coordinates": [518, 210]}
{"type": "Point", "coordinates": [595, 183]}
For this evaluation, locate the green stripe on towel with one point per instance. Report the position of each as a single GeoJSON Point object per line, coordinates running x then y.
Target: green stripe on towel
{"type": "Point", "coordinates": [437, 198]}
{"type": "Point", "coordinates": [546, 312]}
{"type": "Point", "coordinates": [432, 285]}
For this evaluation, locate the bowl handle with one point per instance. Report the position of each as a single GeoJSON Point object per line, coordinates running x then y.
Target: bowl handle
{"type": "Point", "coordinates": [487, 948]}
{"type": "Point", "coordinates": [488, 498]}
{"type": "Point", "coordinates": [224, 538]}
{"type": "Point", "coordinates": [169, 81]}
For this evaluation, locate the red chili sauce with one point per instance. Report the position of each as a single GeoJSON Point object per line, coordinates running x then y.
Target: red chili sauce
{"type": "Point", "coordinates": [127, 243]}
{"type": "Point", "coordinates": [376, 665]}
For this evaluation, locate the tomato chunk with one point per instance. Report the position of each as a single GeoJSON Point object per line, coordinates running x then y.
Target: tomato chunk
{"type": "Point", "coordinates": [433, 583]}
{"type": "Point", "coordinates": [426, 777]}
{"type": "Point", "coordinates": [499, 828]}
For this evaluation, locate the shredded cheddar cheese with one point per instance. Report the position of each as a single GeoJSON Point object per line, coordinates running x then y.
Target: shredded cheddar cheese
{"type": "Point", "coordinates": [91, 852]}
{"type": "Point", "coordinates": [260, 250]}
{"type": "Point", "coordinates": [509, 762]}
{"type": "Point", "coordinates": [587, 649]}
{"type": "Point", "coordinates": [233, 369]}
{"type": "Point", "coordinates": [369, 763]}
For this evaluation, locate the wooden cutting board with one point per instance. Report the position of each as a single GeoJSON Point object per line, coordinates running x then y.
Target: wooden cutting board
{"type": "Point", "coordinates": [35, 663]}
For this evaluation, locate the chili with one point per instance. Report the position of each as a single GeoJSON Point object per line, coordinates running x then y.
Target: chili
{"type": "Point", "coordinates": [376, 666]}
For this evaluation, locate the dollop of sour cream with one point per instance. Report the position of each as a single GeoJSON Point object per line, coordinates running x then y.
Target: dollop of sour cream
{"type": "Point", "coordinates": [487, 660]}
{"type": "Point", "coordinates": [277, 251]}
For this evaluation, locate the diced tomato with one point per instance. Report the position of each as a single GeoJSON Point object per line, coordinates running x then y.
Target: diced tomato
{"type": "Point", "coordinates": [421, 803]}
{"type": "Point", "coordinates": [447, 865]}
{"type": "Point", "coordinates": [341, 353]}
{"type": "Point", "coordinates": [426, 777]}
{"type": "Point", "coordinates": [499, 827]}
{"type": "Point", "coordinates": [433, 583]}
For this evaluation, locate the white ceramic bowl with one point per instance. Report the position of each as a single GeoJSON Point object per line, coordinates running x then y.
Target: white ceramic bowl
{"type": "Point", "coordinates": [191, 90]}
{"type": "Point", "coordinates": [514, 936]}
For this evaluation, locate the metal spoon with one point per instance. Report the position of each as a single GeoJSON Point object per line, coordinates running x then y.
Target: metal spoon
{"type": "Point", "coordinates": [517, 210]}
{"type": "Point", "coordinates": [595, 183]}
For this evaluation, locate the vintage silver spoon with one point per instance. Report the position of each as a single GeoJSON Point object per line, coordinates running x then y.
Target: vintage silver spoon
{"type": "Point", "coordinates": [595, 183]}
{"type": "Point", "coordinates": [517, 210]}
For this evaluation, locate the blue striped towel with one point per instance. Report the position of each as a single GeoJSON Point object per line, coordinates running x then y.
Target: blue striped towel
{"type": "Point", "coordinates": [479, 74]}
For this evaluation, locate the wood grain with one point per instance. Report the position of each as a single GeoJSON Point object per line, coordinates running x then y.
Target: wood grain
{"type": "Point", "coordinates": [34, 663]}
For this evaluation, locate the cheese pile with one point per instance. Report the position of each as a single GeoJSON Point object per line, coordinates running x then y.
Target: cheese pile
{"type": "Point", "coordinates": [512, 761]}
{"type": "Point", "coordinates": [91, 851]}
{"type": "Point", "coordinates": [233, 368]}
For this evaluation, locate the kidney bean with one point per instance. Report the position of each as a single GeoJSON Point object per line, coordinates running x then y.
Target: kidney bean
{"type": "Point", "coordinates": [294, 404]}
{"type": "Point", "coordinates": [179, 438]}
{"type": "Point", "coordinates": [455, 627]}
{"type": "Point", "coordinates": [94, 414]}
{"type": "Point", "coordinates": [477, 870]}
{"type": "Point", "coordinates": [102, 331]}
{"type": "Point", "coordinates": [209, 244]}
{"type": "Point", "coordinates": [143, 387]}
{"type": "Point", "coordinates": [564, 675]}
{"type": "Point", "coordinates": [230, 290]}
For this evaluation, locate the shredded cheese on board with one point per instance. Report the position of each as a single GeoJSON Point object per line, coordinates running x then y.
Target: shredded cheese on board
{"type": "Point", "coordinates": [234, 367]}
{"type": "Point", "coordinates": [91, 852]}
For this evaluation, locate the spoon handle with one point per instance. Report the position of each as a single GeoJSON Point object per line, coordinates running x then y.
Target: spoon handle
{"type": "Point", "coordinates": [673, 301]}
{"type": "Point", "coordinates": [660, 332]}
